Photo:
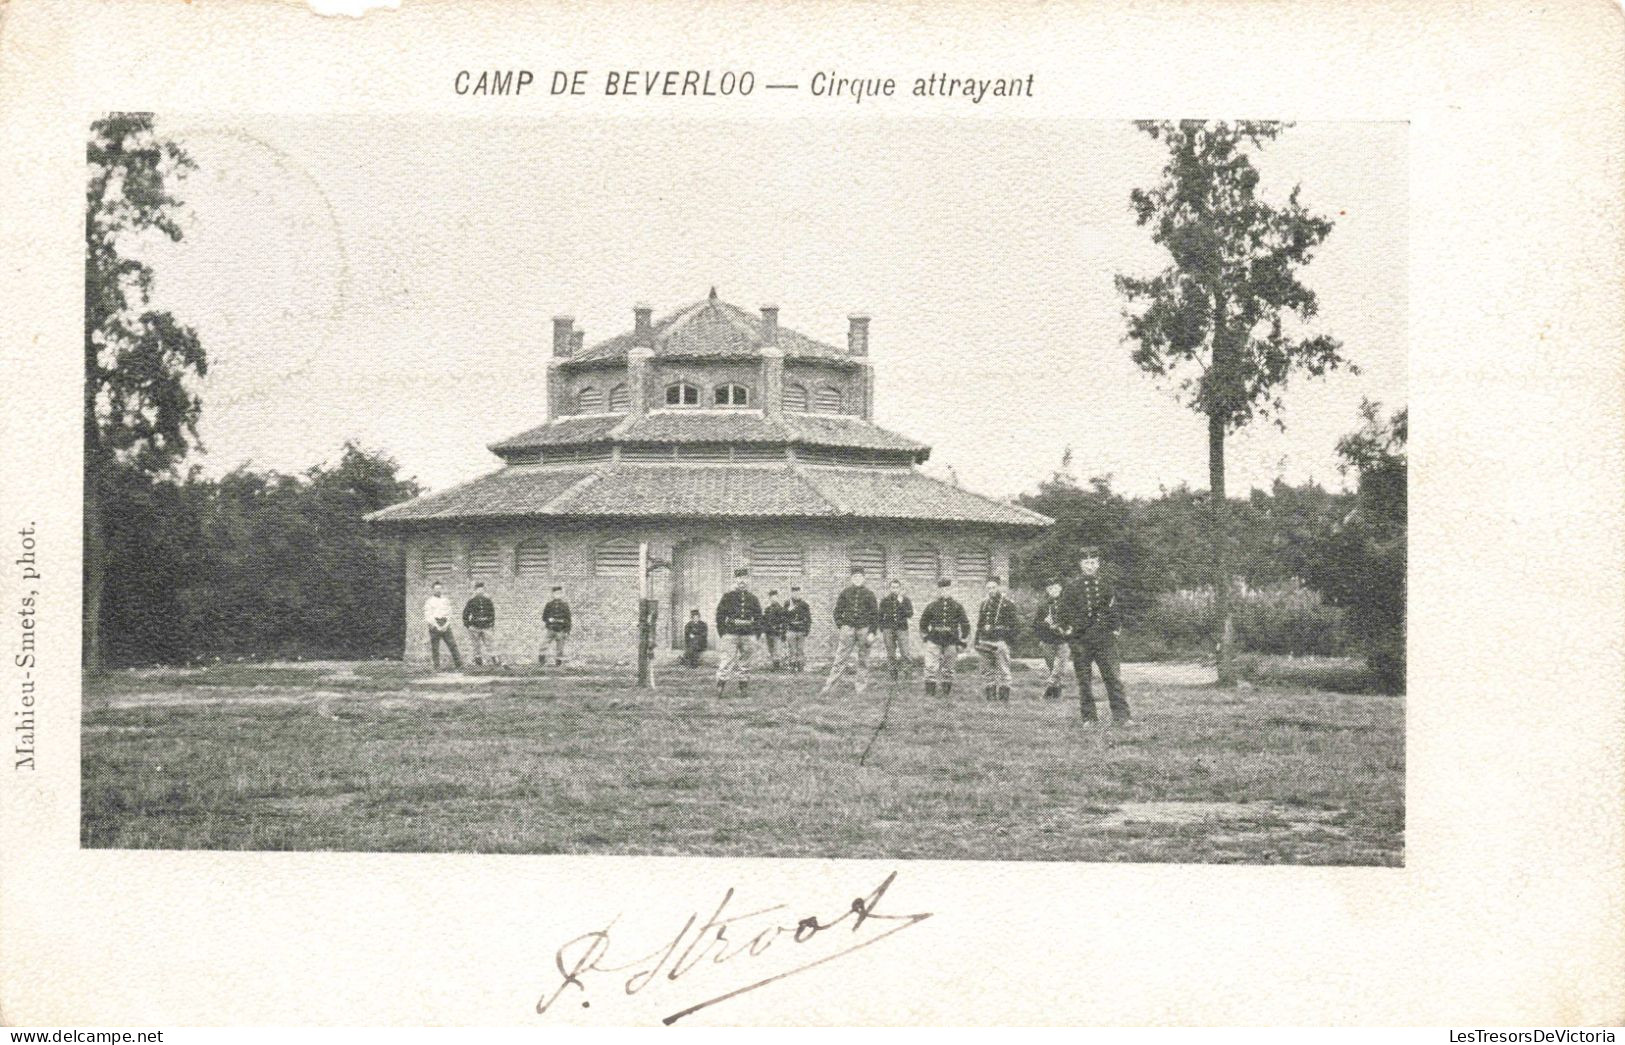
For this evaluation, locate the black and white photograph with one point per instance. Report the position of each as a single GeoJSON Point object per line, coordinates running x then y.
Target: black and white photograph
{"type": "Point", "coordinates": [553, 516]}
{"type": "Point", "coordinates": [507, 494]}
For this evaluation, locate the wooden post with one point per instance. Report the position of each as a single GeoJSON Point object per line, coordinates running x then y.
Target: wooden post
{"type": "Point", "coordinates": [648, 618]}
{"type": "Point", "coordinates": [645, 626]}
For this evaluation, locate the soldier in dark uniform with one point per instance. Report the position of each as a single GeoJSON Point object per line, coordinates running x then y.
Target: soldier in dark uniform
{"type": "Point", "coordinates": [797, 625]}
{"type": "Point", "coordinates": [696, 637]}
{"type": "Point", "coordinates": [556, 619]}
{"type": "Point", "coordinates": [944, 629]}
{"type": "Point", "coordinates": [856, 617]}
{"type": "Point", "coordinates": [774, 624]}
{"type": "Point", "coordinates": [1089, 609]}
{"type": "Point", "coordinates": [739, 621]}
{"type": "Point", "coordinates": [480, 618]}
{"type": "Point", "coordinates": [895, 612]}
{"type": "Point", "coordinates": [1053, 633]}
{"type": "Point", "coordinates": [996, 628]}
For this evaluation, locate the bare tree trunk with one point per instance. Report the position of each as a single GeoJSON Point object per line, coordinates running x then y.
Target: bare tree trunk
{"type": "Point", "coordinates": [94, 556]}
{"type": "Point", "coordinates": [1221, 553]}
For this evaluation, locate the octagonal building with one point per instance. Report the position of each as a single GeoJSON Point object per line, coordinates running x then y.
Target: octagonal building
{"type": "Point", "coordinates": [719, 439]}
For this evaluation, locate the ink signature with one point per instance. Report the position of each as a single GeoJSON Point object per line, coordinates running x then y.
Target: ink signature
{"type": "Point", "coordinates": [726, 937]}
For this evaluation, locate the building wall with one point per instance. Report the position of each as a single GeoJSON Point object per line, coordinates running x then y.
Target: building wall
{"type": "Point", "coordinates": [813, 376]}
{"type": "Point", "coordinates": [706, 376]}
{"type": "Point", "coordinates": [570, 385]}
{"type": "Point", "coordinates": [605, 607]}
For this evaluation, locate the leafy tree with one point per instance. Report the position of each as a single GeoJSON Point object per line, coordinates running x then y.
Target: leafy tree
{"type": "Point", "coordinates": [141, 405]}
{"type": "Point", "coordinates": [1226, 312]}
{"type": "Point", "coordinates": [1090, 514]}
{"type": "Point", "coordinates": [366, 585]}
{"type": "Point", "coordinates": [254, 564]}
{"type": "Point", "coordinates": [151, 532]}
{"type": "Point", "coordinates": [1360, 563]}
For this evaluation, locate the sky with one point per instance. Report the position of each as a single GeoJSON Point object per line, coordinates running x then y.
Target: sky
{"type": "Point", "coordinates": [392, 281]}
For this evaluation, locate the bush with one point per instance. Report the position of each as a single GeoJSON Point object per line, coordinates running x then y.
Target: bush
{"type": "Point", "coordinates": [1284, 618]}
{"type": "Point", "coordinates": [1361, 564]}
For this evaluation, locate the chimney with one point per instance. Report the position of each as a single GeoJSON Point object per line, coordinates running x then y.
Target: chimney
{"type": "Point", "coordinates": [638, 377]}
{"type": "Point", "coordinates": [643, 331]}
{"type": "Point", "coordinates": [770, 324]}
{"type": "Point", "coordinates": [857, 335]}
{"type": "Point", "coordinates": [561, 336]}
{"type": "Point", "coordinates": [575, 341]}
{"type": "Point", "coordinates": [773, 382]}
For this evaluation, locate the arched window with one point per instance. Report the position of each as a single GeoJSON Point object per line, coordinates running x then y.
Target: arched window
{"type": "Point", "coordinates": [485, 559]}
{"type": "Point", "coordinates": [617, 557]}
{"type": "Point", "coordinates": [973, 564]}
{"type": "Point", "coordinates": [871, 559]}
{"type": "Point", "coordinates": [730, 395]}
{"type": "Point", "coordinates": [830, 400]}
{"type": "Point", "coordinates": [776, 559]}
{"type": "Point", "coordinates": [921, 562]}
{"type": "Point", "coordinates": [533, 558]}
{"type": "Point", "coordinates": [619, 399]}
{"type": "Point", "coordinates": [589, 401]}
{"type": "Point", "coordinates": [795, 398]}
{"type": "Point", "coordinates": [682, 394]}
{"type": "Point", "coordinates": [437, 559]}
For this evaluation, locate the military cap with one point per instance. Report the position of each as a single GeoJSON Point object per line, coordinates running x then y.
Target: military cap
{"type": "Point", "coordinates": [1089, 551]}
{"type": "Point", "coordinates": [944, 582]}
{"type": "Point", "coordinates": [741, 572]}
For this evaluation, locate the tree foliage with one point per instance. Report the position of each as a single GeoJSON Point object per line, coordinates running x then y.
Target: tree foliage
{"type": "Point", "coordinates": [255, 564]}
{"type": "Point", "coordinates": [141, 403]}
{"type": "Point", "coordinates": [1224, 314]}
{"type": "Point", "coordinates": [1360, 562]}
{"type": "Point", "coordinates": [1153, 548]}
{"type": "Point", "coordinates": [1155, 545]}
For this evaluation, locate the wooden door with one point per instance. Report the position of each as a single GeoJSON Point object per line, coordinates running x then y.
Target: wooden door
{"type": "Point", "coordinates": [697, 585]}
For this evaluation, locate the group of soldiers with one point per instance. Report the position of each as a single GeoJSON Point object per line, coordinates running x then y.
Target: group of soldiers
{"type": "Point", "coordinates": [784, 627]}
{"type": "Point", "coordinates": [1077, 624]}
{"type": "Point", "coordinates": [480, 620]}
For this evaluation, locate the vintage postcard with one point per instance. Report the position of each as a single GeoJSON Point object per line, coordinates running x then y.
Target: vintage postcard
{"type": "Point", "coordinates": [821, 514]}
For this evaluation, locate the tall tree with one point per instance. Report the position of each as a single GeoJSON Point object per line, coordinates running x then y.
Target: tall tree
{"type": "Point", "coordinates": [141, 403]}
{"type": "Point", "coordinates": [1228, 312]}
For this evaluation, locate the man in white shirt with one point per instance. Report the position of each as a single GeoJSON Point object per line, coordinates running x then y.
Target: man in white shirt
{"type": "Point", "coordinates": [437, 614]}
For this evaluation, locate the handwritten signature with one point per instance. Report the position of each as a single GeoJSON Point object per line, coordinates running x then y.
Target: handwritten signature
{"type": "Point", "coordinates": [725, 937]}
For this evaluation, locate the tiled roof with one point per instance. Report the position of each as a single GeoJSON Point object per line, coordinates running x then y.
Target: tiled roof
{"type": "Point", "coordinates": [563, 432]}
{"type": "Point", "coordinates": [708, 492]}
{"type": "Point", "coordinates": [728, 492]}
{"type": "Point", "coordinates": [845, 430]}
{"type": "Point", "coordinates": [506, 493]}
{"type": "Point", "coordinates": [711, 327]}
{"type": "Point", "coordinates": [883, 493]}
{"type": "Point", "coordinates": [701, 427]}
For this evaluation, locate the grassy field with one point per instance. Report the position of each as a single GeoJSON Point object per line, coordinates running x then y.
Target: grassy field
{"type": "Point", "coordinates": [381, 756]}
